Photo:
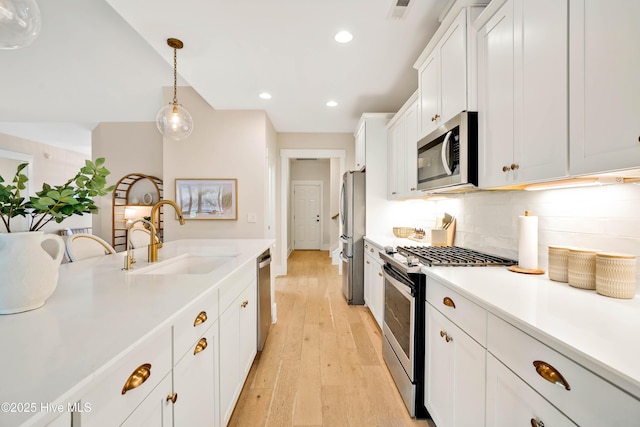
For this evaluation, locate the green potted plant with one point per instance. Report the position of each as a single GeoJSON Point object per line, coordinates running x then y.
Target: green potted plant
{"type": "Point", "coordinates": [28, 272]}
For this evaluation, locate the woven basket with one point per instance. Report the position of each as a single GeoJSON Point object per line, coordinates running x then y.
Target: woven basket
{"type": "Point", "coordinates": [616, 275]}
{"type": "Point", "coordinates": [403, 232]}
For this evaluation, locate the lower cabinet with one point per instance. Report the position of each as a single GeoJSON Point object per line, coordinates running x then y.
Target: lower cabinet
{"type": "Point", "coordinates": [511, 402]}
{"type": "Point", "coordinates": [194, 383]}
{"type": "Point", "coordinates": [238, 347]}
{"type": "Point", "coordinates": [374, 282]}
{"type": "Point", "coordinates": [156, 409]}
{"type": "Point", "coordinates": [454, 373]}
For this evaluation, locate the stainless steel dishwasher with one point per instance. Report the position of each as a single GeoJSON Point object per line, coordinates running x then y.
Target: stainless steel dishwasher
{"type": "Point", "coordinates": [264, 297]}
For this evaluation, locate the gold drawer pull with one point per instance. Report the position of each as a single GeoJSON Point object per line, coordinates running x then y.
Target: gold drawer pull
{"type": "Point", "coordinates": [201, 318]}
{"type": "Point", "coordinates": [379, 274]}
{"type": "Point", "coordinates": [202, 344]}
{"type": "Point", "coordinates": [449, 302]}
{"type": "Point", "coordinates": [536, 423]}
{"type": "Point", "coordinates": [550, 374]}
{"type": "Point", "coordinates": [137, 378]}
{"type": "Point", "coordinates": [172, 397]}
{"type": "Point", "coordinates": [446, 336]}
{"type": "Point", "coordinates": [371, 250]}
{"type": "Point", "coordinates": [244, 303]}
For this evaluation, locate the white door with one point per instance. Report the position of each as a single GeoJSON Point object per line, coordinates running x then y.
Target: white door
{"type": "Point", "coordinates": [306, 216]}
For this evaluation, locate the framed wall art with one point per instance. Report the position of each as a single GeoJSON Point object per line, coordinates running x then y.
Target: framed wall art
{"type": "Point", "coordinates": [205, 198]}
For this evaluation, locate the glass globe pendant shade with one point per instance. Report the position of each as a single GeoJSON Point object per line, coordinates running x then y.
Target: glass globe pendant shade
{"type": "Point", "coordinates": [19, 23]}
{"type": "Point", "coordinates": [174, 121]}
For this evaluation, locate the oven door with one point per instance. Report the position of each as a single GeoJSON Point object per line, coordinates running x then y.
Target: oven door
{"type": "Point", "coordinates": [399, 317]}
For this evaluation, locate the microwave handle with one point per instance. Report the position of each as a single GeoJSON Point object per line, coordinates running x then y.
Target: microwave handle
{"type": "Point", "coordinates": [443, 153]}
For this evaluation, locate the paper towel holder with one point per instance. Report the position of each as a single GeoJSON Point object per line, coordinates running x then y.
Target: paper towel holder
{"type": "Point", "coordinates": [518, 269]}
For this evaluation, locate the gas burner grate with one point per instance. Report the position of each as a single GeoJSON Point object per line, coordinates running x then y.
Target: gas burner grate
{"type": "Point", "coordinates": [452, 256]}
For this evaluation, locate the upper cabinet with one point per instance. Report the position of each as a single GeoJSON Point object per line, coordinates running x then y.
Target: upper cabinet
{"type": "Point", "coordinates": [522, 92]}
{"type": "Point", "coordinates": [604, 86]}
{"type": "Point", "coordinates": [446, 72]}
{"type": "Point", "coordinates": [402, 139]}
{"type": "Point", "coordinates": [361, 142]}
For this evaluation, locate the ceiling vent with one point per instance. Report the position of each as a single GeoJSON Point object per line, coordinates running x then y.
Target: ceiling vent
{"type": "Point", "coordinates": [399, 9]}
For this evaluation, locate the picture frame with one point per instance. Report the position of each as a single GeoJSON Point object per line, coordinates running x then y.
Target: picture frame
{"type": "Point", "coordinates": [207, 198]}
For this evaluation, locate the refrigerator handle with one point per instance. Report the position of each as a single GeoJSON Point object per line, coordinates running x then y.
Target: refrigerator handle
{"type": "Point", "coordinates": [343, 258]}
{"type": "Point", "coordinates": [344, 239]}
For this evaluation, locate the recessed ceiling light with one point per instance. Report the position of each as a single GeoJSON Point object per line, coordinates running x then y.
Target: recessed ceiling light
{"type": "Point", "coordinates": [332, 104]}
{"type": "Point", "coordinates": [343, 37]}
{"type": "Point", "coordinates": [265, 95]}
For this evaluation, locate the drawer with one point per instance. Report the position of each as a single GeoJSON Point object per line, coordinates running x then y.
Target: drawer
{"type": "Point", "coordinates": [108, 405]}
{"type": "Point", "coordinates": [231, 287]}
{"type": "Point", "coordinates": [373, 250]}
{"type": "Point", "coordinates": [467, 315]}
{"type": "Point", "coordinates": [587, 399]}
{"type": "Point", "coordinates": [193, 322]}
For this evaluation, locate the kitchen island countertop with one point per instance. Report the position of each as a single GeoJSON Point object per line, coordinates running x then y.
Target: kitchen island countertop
{"type": "Point", "coordinates": [98, 312]}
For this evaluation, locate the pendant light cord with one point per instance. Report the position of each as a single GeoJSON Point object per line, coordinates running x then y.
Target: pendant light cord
{"type": "Point", "coordinates": [175, 77]}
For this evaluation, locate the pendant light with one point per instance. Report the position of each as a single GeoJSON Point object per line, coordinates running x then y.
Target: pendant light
{"type": "Point", "coordinates": [19, 23]}
{"type": "Point", "coordinates": [173, 120]}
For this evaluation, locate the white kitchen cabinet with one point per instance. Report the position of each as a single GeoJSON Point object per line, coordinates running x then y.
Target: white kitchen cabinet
{"type": "Point", "coordinates": [522, 92]}
{"type": "Point", "coordinates": [195, 382]}
{"type": "Point", "coordinates": [156, 410]}
{"type": "Point", "coordinates": [454, 373]}
{"type": "Point", "coordinates": [446, 73]}
{"type": "Point", "coordinates": [374, 281]}
{"type": "Point", "coordinates": [402, 139]}
{"type": "Point", "coordinates": [361, 142]}
{"type": "Point", "coordinates": [604, 87]}
{"type": "Point", "coordinates": [511, 402]}
{"type": "Point", "coordinates": [585, 398]}
{"type": "Point", "coordinates": [238, 347]}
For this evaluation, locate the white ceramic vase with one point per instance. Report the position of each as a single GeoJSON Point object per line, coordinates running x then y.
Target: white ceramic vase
{"type": "Point", "coordinates": [28, 272]}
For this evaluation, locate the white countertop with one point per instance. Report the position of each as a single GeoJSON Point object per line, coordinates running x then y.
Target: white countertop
{"type": "Point", "coordinates": [97, 312]}
{"type": "Point", "coordinates": [600, 333]}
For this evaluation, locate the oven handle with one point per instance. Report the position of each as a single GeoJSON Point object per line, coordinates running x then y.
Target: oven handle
{"type": "Point", "coordinates": [403, 288]}
{"type": "Point", "coordinates": [443, 153]}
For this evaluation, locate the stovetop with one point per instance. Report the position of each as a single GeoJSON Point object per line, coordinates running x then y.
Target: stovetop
{"type": "Point", "coordinates": [452, 256]}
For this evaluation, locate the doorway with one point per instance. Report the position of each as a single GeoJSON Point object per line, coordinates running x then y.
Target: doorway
{"type": "Point", "coordinates": [307, 218]}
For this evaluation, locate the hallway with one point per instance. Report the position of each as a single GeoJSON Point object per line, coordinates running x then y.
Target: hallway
{"type": "Point", "coordinates": [322, 363]}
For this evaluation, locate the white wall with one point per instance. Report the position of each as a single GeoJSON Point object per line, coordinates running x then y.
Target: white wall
{"type": "Point", "coordinates": [52, 165]}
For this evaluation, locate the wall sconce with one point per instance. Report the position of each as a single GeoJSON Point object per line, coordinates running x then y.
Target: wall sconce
{"type": "Point", "coordinates": [129, 215]}
{"type": "Point", "coordinates": [173, 120]}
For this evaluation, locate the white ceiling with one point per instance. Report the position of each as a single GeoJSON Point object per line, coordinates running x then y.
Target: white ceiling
{"type": "Point", "coordinates": [97, 62]}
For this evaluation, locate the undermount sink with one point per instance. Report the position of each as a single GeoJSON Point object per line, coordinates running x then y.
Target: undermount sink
{"type": "Point", "coordinates": [185, 264]}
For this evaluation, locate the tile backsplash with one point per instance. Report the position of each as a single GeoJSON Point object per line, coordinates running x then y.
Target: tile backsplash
{"type": "Point", "coordinates": [605, 218]}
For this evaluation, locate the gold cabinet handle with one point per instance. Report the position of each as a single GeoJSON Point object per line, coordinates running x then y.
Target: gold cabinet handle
{"type": "Point", "coordinates": [446, 336]}
{"type": "Point", "coordinates": [137, 377]}
{"type": "Point", "coordinates": [449, 302]}
{"type": "Point", "coordinates": [379, 274]}
{"type": "Point", "coordinates": [244, 303]}
{"type": "Point", "coordinates": [443, 333]}
{"type": "Point", "coordinates": [368, 262]}
{"type": "Point", "coordinates": [200, 318]}
{"type": "Point", "coordinates": [550, 374]}
{"type": "Point", "coordinates": [536, 423]}
{"type": "Point", "coordinates": [505, 169]}
{"type": "Point", "coordinates": [412, 189]}
{"type": "Point", "coordinates": [202, 344]}
{"type": "Point", "coordinates": [172, 397]}
{"type": "Point", "coordinates": [371, 250]}
{"type": "Point", "coordinates": [514, 166]}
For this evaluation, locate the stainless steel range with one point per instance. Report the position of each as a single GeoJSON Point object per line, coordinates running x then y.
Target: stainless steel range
{"type": "Point", "coordinates": [403, 346]}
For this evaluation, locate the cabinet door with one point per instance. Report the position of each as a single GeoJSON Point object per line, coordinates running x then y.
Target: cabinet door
{"type": "Point", "coordinates": [605, 88]}
{"type": "Point", "coordinates": [453, 69]}
{"type": "Point", "coordinates": [229, 360]}
{"type": "Point", "coordinates": [368, 278]}
{"type": "Point", "coordinates": [454, 373]}
{"type": "Point", "coordinates": [361, 140]}
{"type": "Point", "coordinates": [248, 322]}
{"type": "Point", "coordinates": [411, 147]}
{"type": "Point", "coordinates": [377, 291]}
{"type": "Point", "coordinates": [195, 383]}
{"type": "Point", "coordinates": [395, 134]}
{"type": "Point", "coordinates": [511, 402]}
{"type": "Point", "coordinates": [541, 121]}
{"type": "Point", "coordinates": [496, 98]}
{"type": "Point", "coordinates": [155, 410]}
{"type": "Point", "coordinates": [429, 94]}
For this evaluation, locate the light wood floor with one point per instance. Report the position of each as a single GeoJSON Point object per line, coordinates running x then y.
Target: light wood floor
{"type": "Point", "coordinates": [322, 363]}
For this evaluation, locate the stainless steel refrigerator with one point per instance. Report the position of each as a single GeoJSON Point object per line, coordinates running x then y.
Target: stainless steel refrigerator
{"type": "Point", "coordinates": [352, 216]}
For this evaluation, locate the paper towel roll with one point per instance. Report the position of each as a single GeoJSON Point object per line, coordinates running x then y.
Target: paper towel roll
{"type": "Point", "coordinates": [528, 242]}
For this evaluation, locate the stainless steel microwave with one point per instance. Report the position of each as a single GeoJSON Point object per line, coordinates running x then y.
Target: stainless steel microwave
{"type": "Point", "coordinates": [448, 156]}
